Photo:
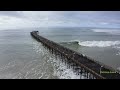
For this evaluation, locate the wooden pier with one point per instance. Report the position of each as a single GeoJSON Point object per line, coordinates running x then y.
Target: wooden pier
{"type": "Point", "coordinates": [82, 64]}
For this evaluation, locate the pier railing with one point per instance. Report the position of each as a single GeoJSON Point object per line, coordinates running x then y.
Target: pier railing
{"type": "Point", "coordinates": [82, 64]}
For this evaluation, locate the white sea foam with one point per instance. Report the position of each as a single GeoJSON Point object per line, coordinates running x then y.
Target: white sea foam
{"type": "Point", "coordinates": [118, 48]}
{"type": "Point", "coordinates": [113, 44]}
{"type": "Point", "coordinates": [98, 43]}
{"type": "Point", "coordinates": [118, 53]}
{"type": "Point", "coordinates": [63, 72]}
{"type": "Point", "coordinates": [59, 68]}
{"type": "Point", "coordinates": [113, 31]}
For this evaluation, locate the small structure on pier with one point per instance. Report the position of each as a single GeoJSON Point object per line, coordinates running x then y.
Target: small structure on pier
{"type": "Point", "coordinates": [79, 62]}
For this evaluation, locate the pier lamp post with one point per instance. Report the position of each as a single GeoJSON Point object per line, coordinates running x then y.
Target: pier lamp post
{"type": "Point", "coordinates": [100, 69]}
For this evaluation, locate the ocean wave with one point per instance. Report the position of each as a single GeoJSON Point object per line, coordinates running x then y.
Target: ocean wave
{"type": "Point", "coordinates": [70, 42]}
{"type": "Point", "coordinates": [118, 48]}
{"type": "Point", "coordinates": [113, 31]}
{"type": "Point", "coordinates": [99, 43]}
{"type": "Point", "coordinates": [62, 72]}
{"type": "Point", "coordinates": [94, 43]}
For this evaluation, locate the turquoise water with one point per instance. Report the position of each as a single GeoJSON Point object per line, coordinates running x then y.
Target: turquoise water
{"type": "Point", "coordinates": [23, 57]}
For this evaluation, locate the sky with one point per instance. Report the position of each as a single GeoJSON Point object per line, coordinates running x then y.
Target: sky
{"type": "Point", "coordinates": [26, 19]}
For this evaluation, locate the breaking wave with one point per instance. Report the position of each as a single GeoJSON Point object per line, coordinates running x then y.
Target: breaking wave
{"type": "Point", "coordinates": [99, 43]}
{"type": "Point", "coordinates": [94, 43]}
{"type": "Point", "coordinates": [113, 31]}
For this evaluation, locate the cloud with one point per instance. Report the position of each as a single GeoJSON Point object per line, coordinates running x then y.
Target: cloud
{"type": "Point", "coordinates": [104, 23]}
{"type": "Point", "coordinates": [19, 19]}
{"type": "Point", "coordinates": [11, 13]}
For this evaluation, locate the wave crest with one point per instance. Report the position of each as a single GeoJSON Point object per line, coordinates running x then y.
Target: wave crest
{"type": "Point", "coordinates": [99, 43]}
{"type": "Point", "coordinates": [113, 31]}
{"type": "Point", "coordinates": [94, 43]}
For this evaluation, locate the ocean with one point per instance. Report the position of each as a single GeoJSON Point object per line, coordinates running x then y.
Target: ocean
{"type": "Point", "coordinates": [22, 57]}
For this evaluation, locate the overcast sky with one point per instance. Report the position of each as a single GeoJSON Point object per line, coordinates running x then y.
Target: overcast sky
{"type": "Point", "coordinates": [21, 19]}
